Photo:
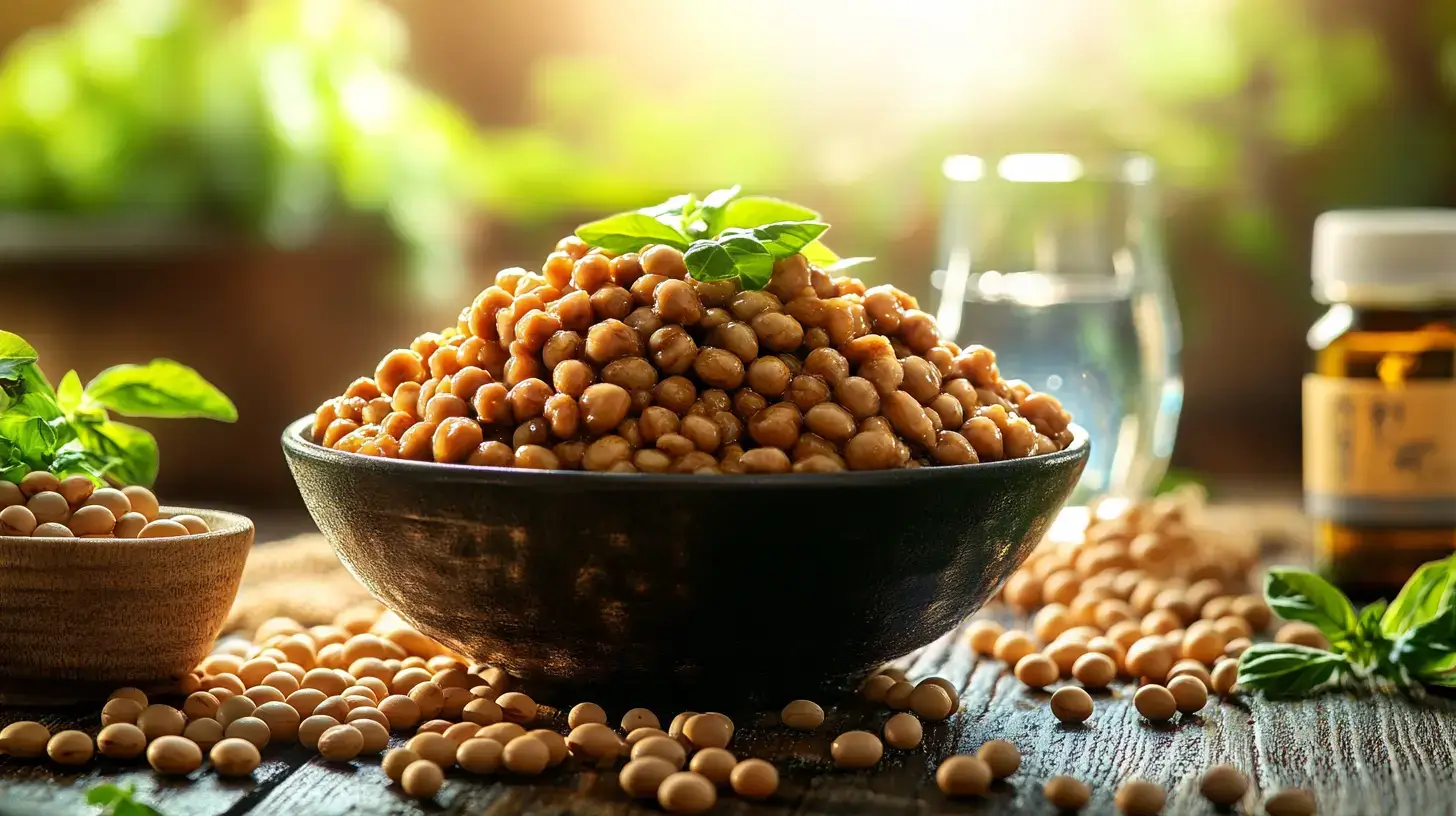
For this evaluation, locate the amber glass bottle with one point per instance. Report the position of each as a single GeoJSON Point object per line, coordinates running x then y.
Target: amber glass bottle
{"type": "Point", "coordinates": [1380, 405]}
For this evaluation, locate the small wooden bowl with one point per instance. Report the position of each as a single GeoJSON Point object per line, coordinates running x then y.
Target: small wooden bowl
{"type": "Point", "coordinates": [80, 618]}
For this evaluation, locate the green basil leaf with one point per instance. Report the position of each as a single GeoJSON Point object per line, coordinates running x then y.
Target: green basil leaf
{"type": "Point", "coordinates": [106, 794]}
{"type": "Point", "coordinates": [1295, 594]}
{"type": "Point", "coordinates": [161, 388]}
{"type": "Point", "coordinates": [76, 460]}
{"type": "Point", "coordinates": [784, 239]}
{"type": "Point", "coordinates": [738, 256]}
{"type": "Point", "coordinates": [134, 450]}
{"type": "Point", "coordinates": [1420, 599]}
{"type": "Point", "coordinates": [15, 354]}
{"type": "Point", "coordinates": [1287, 670]}
{"type": "Point", "coordinates": [630, 232]}
{"type": "Point", "coordinates": [845, 263]}
{"type": "Point", "coordinates": [677, 205]}
{"type": "Point", "coordinates": [68, 393]}
{"type": "Point", "coordinates": [748, 212]}
{"type": "Point", "coordinates": [820, 255]}
{"type": "Point", "coordinates": [36, 428]}
{"type": "Point", "coordinates": [708, 260]}
{"type": "Point", "coordinates": [1370, 616]}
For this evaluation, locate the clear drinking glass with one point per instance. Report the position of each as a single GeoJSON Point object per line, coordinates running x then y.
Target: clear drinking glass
{"type": "Point", "coordinates": [1055, 261]}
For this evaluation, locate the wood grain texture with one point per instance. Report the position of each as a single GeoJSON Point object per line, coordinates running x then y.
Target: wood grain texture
{"type": "Point", "coordinates": [79, 617]}
{"type": "Point", "coordinates": [1361, 755]}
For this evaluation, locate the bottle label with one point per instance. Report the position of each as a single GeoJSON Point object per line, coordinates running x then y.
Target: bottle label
{"type": "Point", "coordinates": [1378, 455]}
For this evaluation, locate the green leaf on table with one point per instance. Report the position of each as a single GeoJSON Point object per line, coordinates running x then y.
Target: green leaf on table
{"type": "Point", "coordinates": [15, 354]}
{"type": "Point", "coordinates": [118, 801]}
{"type": "Point", "coordinates": [1287, 670]}
{"type": "Point", "coordinates": [135, 451]}
{"type": "Point", "coordinates": [1295, 594]}
{"type": "Point", "coordinates": [748, 212]}
{"type": "Point", "coordinates": [738, 256]}
{"type": "Point", "coordinates": [783, 239]}
{"type": "Point", "coordinates": [1421, 599]}
{"type": "Point", "coordinates": [161, 388]}
{"type": "Point", "coordinates": [630, 232]}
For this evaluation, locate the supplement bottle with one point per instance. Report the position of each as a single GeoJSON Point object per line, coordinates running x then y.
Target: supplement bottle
{"type": "Point", "coordinates": [1380, 405]}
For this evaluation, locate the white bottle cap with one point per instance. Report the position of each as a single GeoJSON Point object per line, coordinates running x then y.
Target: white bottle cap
{"type": "Point", "coordinates": [1385, 257]}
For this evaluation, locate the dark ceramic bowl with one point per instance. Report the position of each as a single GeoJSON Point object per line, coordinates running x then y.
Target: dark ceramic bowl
{"type": "Point", "coordinates": [620, 583]}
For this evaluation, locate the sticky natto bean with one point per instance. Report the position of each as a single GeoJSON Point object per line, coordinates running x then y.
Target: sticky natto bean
{"type": "Point", "coordinates": [673, 349]}
{"type": "Point", "coordinates": [644, 321]}
{"type": "Point", "coordinates": [765, 460]}
{"type": "Point", "coordinates": [702, 431]}
{"type": "Point", "coordinates": [604, 406]}
{"type": "Point", "coordinates": [748, 304]}
{"type": "Point", "coordinates": [612, 302]}
{"type": "Point", "coordinates": [676, 302]}
{"type": "Point", "coordinates": [828, 365]}
{"type": "Point", "coordinates": [591, 273]}
{"type": "Point", "coordinates": [527, 399]}
{"type": "Point", "coordinates": [730, 428]}
{"type": "Point", "coordinates": [918, 330]}
{"type": "Point", "coordinates": [626, 269]}
{"type": "Point", "coordinates": [921, 380]}
{"type": "Point", "coordinates": [714, 294]}
{"type": "Point", "coordinates": [562, 413]}
{"type": "Point", "coordinates": [812, 444]}
{"type": "Point", "coordinates": [985, 437]}
{"type": "Point", "coordinates": [776, 426]}
{"type": "Point", "coordinates": [719, 368]}
{"type": "Point", "coordinates": [606, 452]}
{"type": "Point", "coordinates": [777, 331]}
{"type": "Point", "coordinates": [631, 373]}
{"type": "Point", "coordinates": [644, 289]}
{"type": "Point", "coordinates": [874, 450]}
{"type": "Point", "coordinates": [534, 431]}
{"type": "Point", "coordinates": [738, 338]}
{"type": "Point", "coordinates": [747, 403]}
{"type": "Point", "coordinates": [830, 421]}
{"type": "Point", "coordinates": [676, 394]}
{"type": "Point", "coordinates": [885, 373]}
{"type": "Point", "coordinates": [769, 376]}
{"type": "Point", "coordinates": [952, 449]}
{"type": "Point", "coordinates": [560, 347]}
{"type": "Point", "coordinates": [806, 391]}
{"type": "Point", "coordinates": [909, 419]}
{"type": "Point", "coordinates": [570, 378]}
{"type": "Point", "coordinates": [611, 339]}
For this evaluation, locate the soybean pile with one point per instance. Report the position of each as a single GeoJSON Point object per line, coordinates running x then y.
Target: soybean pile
{"type": "Point", "coordinates": [625, 363]}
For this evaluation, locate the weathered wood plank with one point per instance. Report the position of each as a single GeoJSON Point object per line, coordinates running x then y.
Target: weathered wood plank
{"type": "Point", "coordinates": [1360, 754]}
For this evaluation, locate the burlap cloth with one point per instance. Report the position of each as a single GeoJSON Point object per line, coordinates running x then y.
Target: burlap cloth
{"type": "Point", "coordinates": [297, 578]}
{"type": "Point", "coordinates": [300, 577]}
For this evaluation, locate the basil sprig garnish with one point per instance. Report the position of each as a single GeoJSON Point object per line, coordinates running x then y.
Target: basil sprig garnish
{"type": "Point", "coordinates": [723, 236]}
{"type": "Point", "coordinates": [68, 429]}
{"type": "Point", "coordinates": [1407, 642]}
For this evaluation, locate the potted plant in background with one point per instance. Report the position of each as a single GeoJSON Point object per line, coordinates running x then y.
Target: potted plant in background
{"type": "Point", "coordinates": [264, 195]}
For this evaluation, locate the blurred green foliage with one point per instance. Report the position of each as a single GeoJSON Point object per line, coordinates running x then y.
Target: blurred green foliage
{"type": "Point", "coordinates": [1259, 112]}
{"type": "Point", "coordinates": [278, 119]}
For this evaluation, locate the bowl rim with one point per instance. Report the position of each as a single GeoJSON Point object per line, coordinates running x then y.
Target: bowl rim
{"type": "Point", "coordinates": [296, 443]}
{"type": "Point", "coordinates": [233, 525]}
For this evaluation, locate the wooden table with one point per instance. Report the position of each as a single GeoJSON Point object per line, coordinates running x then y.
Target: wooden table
{"type": "Point", "coordinates": [1361, 755]}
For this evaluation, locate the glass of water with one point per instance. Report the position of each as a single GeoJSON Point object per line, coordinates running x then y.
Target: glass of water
{"type": "Point", "coordinates": [1055, 261]}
